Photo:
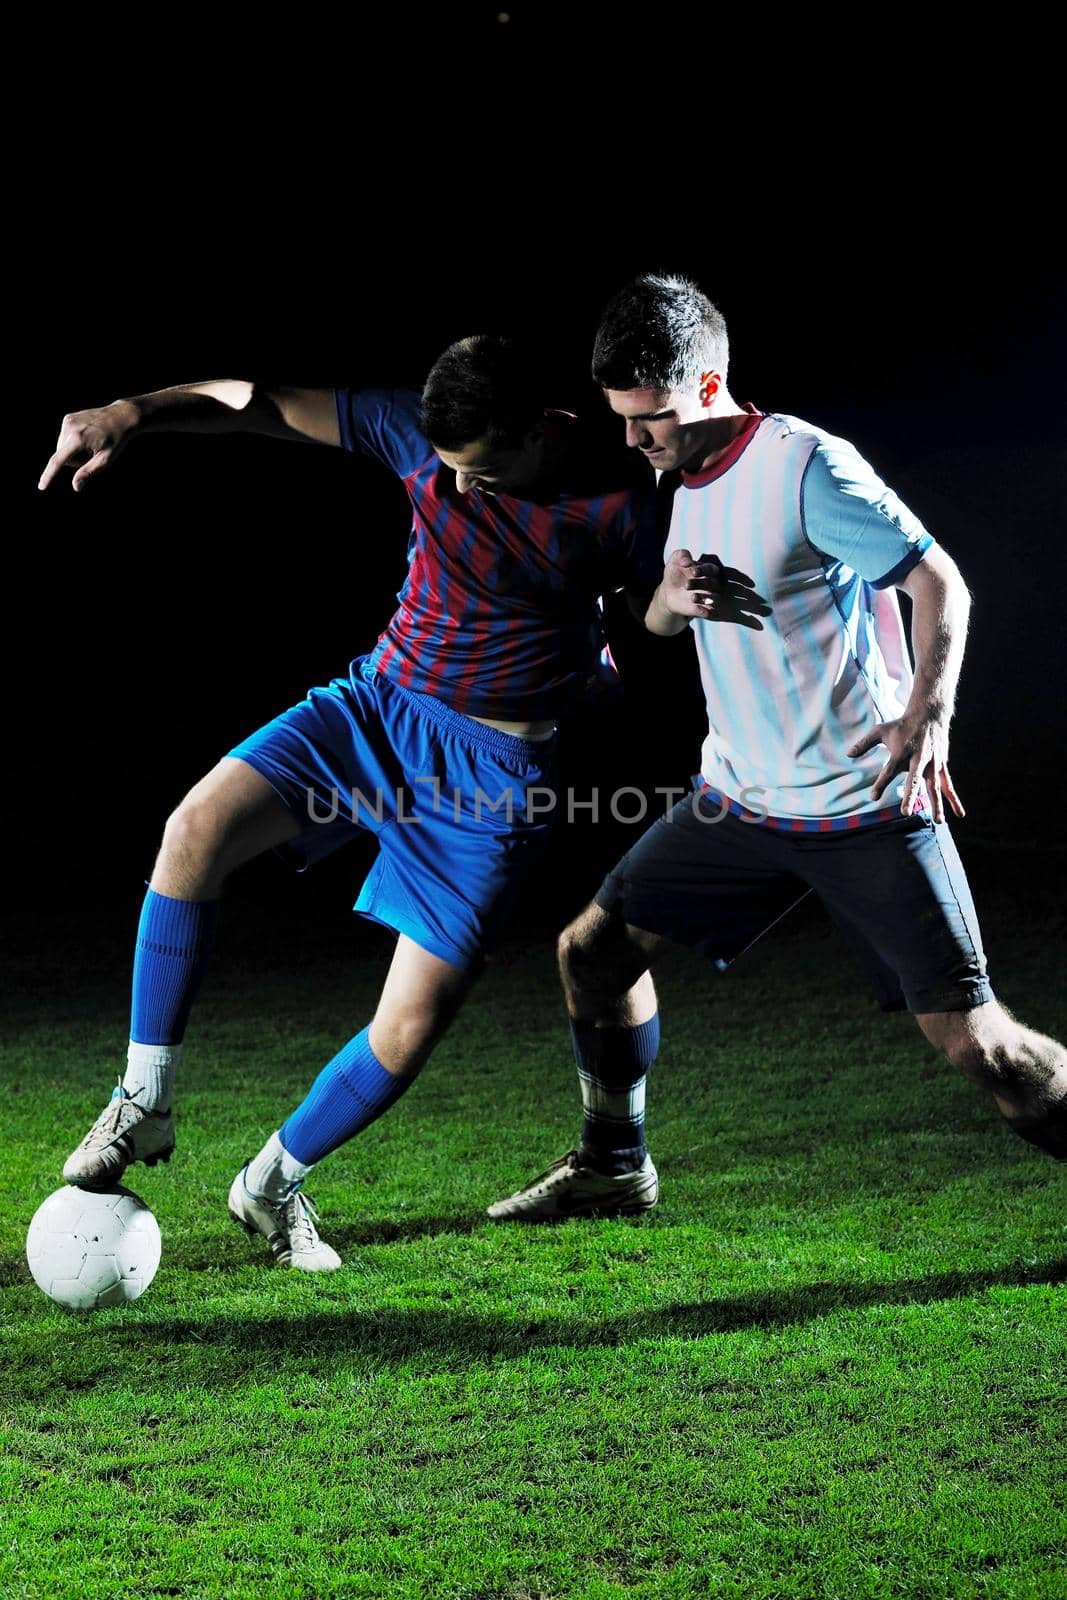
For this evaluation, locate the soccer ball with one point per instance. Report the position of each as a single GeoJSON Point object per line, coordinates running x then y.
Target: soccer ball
{"type": "Point", "coordinates": [89, 1248]}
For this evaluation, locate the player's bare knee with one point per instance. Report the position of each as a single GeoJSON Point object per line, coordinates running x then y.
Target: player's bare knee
{"type": "Point", "coordinates": [574, 953]}
{"type": "Point", "coordinates": [193, 839]}
{"type": "Point", "coordinates": [591, 958]}
{"type": "Point", "coordinates": [403, 1041]}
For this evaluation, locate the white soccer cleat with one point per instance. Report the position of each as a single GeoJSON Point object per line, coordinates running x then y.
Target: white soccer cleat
{"type": "Point", "coordinates": [124, 1132]}
{"type": "Point", "coordinates": [569, 1189]}
{"type": "Point", "coordinates": [287, 1225]}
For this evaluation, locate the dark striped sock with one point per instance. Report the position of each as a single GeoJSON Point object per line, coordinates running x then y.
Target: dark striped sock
{"type": "Point", "coordinates": [612, 1063]}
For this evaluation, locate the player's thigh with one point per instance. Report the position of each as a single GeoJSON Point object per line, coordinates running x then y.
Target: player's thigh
{"type": "Point", "coordinates": [232, 814]}
{"type": "Point", "coordinates": [330, 759]}
{"type": "Point", "coordinates": [452, 860]}
{"type": "Point", "coordinates": [420, 997]}
{"type": "Point", "coordinates": [900, 888]}
{"type": "Point", "coordinates": [702, 878]}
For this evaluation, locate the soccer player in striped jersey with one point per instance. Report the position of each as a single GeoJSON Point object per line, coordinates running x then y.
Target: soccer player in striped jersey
{"type": "Point", "coordinates": [438, 740]}
{"type": "Point", "coordinates": [825, 765]}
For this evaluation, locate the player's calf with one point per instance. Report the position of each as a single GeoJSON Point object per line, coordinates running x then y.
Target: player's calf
{"type": "Point", "coordinates": [1026, 1072]}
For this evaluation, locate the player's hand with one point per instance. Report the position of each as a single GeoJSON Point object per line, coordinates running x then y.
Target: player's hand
{"type": "Point", "coordinates": [89, 441]}
{"type": "Point", "coordinates": [702, 587]}
{"type": "Point", "coordinates": [917, 745]}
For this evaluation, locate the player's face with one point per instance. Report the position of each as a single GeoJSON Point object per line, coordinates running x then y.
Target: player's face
{"type": "Point", "coordinates": [496, 469]}
{"type": "Point", "coordinates": [668, 426]}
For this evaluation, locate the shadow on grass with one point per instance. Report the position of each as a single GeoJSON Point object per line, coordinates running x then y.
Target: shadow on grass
{"type": "Point", "coordinates": [227, 1351]}
{"type": "Point", "coordinates": [391, 1231]}
{"type": "Point", "coordinates": [237, 1253]}
{"type": "Point", "coordinates": [464, 1337]}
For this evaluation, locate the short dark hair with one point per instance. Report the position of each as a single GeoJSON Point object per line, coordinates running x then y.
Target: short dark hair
{"type": "Point", "coordinates": [483, 387]}
{"type": "Point", "coordinates": [660, 332]}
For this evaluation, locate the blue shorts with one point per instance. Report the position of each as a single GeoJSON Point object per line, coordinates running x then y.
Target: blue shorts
{"type": "Point", "coordinates": [897, 889]}
{"type": "Point", "coordinates": [447, 798]}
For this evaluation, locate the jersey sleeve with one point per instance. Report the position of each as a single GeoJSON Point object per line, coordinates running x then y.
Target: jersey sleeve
{"type": "Point", "coordinates": [383, 423]}
{"type": "Point", "coordinates": [849, 514]}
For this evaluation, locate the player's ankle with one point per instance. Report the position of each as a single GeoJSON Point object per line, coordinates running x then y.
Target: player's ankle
{"type": "Point", "coordinates": [611, 1163]}
{"type": "Point", "coordinates": [273, 1174]}
{"type": "Point", "coordinates": [149, 1076]}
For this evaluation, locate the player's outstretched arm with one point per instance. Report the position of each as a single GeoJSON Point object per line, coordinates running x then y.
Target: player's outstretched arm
{"type": "Point", "coordinates": [918, 742]}
{"type": "Point", "coordinates": [91, 441]}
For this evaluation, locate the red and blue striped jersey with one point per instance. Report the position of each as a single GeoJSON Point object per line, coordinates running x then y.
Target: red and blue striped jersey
{"type": "Point", "coordinates": [498, 614]}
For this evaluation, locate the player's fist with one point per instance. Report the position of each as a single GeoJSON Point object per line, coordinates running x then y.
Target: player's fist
{"type": "Point", "coordinates": [689, 585]}
{"type": "Point", "coordinates": [702, 587]}
{"type": "Point", "coordinates": [89, 441]}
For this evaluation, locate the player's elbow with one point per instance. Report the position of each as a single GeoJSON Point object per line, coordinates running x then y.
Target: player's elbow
{"type": "Point", "coordinates": [957, 595]}
{"type": "Point", "coordinates": [938, 577]}
{"type": "Point", "coordinates": [308, 414]}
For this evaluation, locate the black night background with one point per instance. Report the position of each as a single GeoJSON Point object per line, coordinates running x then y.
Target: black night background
{"type": "Point", "coordinates": [322, 228]}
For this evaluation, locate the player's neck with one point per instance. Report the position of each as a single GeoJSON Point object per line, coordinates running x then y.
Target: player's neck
{"type": "Point", "coordinates": [555, 453]}
{"type": "Point", "coordinates": [720, 431]}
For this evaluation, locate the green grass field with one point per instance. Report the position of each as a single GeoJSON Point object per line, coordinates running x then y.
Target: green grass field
{"type": "Point", "coordinates": [831, 1364]}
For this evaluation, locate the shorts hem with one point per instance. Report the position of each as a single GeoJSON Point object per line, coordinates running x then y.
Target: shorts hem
{"type": "Point", "coordinates": [691, 939]}
{"type": "Point", "coordinates": [962, 999]}
{"type": "Point", "coordinates": [268, 773]}
{"type": "Point", "coordinates": [425, 941]}
{"type": "Point", "coordinates": [291, 851]}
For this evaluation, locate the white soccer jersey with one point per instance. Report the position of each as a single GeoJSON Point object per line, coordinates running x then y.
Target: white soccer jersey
{"type": "Point", "coordinates": [824, 541]}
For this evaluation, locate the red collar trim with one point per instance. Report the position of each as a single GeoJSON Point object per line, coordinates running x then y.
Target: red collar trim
{"type": "Point", "coordinates": [737, 447]}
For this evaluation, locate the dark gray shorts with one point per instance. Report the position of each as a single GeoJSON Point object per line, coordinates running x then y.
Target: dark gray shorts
{"type": "Point", "coordinates": [897, 889]}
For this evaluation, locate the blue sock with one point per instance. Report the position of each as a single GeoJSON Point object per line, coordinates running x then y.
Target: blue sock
{"type": "Point", "coordinates": [349, 1094]}
{"type": "Point", "coordinates": [174, 940]}
{"type": "Point", "coordinates": [612, 1063]}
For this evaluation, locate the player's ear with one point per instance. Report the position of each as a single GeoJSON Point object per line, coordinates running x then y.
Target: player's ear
{"type": "Point", "coordinates": [710, 384]}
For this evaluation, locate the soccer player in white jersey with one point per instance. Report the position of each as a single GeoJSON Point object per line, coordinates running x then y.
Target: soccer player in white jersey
{"type": "Point", "coordinates": [825, 766]}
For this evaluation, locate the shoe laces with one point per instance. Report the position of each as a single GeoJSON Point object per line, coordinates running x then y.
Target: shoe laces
{"type": "Point", "coordinates": [568, 1160]}
{"type": "Point", "coordinates": [109, 1121]}
{"type": "Point", "coordinates": [299, 1218]}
